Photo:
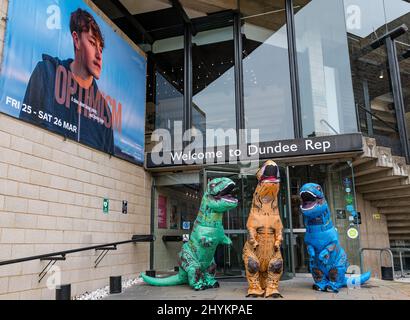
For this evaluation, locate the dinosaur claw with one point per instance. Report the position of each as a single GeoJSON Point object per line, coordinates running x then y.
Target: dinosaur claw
{"type": "Point", "coordinates": [330, 289]}
{"type": "Point", "coordinates": [317, 288]}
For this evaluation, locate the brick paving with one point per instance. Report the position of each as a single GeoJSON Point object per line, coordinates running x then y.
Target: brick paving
{"type": "Point", "coordinates": [298, 288]}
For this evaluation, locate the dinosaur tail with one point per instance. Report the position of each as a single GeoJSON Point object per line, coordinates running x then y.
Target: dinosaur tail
{"type": "Point", "coordinates": [163, 282]}
{"type": "Point", "coordinates": [358, 280]}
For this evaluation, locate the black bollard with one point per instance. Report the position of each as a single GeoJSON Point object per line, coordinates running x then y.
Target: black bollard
{"type": "Point", "coordinates": [150, 273]}
{"type": "Point", "coordinates": [115, 285]}
{"type": "Point", "coordinates": [63, 292]}
{"type": "Point", "coordinates": [387, 273]}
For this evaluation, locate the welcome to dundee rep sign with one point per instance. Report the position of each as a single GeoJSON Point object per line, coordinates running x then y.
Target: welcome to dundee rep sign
{"type": "Point", "coordinates": [264, 150]}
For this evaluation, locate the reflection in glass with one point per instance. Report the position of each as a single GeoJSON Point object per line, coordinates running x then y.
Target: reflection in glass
{"type": "Point", "coordinates": [370, 71]}
{"type": "Point", "coordinates": [165, 98]}
{"type": "Point", "coordinates": [402, 11]}
{"type": "Point", "coordinates": [195, 9]}
{"type": "Point", "coordinates": [373, 18]}
{"type": "Point", "coordinates": [325, 83]}
{"type": "Point", "coordinates": [268, 104]}
{"type": "Point", "coordinates": [182, 194]}
{"type": "Point", "coordinates": [214, 84]}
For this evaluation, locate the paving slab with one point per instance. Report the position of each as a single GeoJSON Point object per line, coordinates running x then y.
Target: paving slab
{"type": "Point", "coordinates": [298, 288]}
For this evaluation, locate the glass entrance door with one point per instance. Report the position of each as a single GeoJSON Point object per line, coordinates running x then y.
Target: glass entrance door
{"type": "Point", "coordinates": [337, 181]}
{"type": "Point", "coordinates": [229, 258]}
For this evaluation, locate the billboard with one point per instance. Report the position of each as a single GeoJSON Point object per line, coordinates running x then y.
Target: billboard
{"type": "Point", "coordinates": [66, 70]}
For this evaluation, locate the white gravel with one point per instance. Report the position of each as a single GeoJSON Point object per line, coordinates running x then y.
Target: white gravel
{"type": "Point", "coordinates": [100, 294]}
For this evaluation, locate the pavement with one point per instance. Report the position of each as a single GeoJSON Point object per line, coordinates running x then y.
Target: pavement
{"type": "Point", "coordinates": [298, 288]}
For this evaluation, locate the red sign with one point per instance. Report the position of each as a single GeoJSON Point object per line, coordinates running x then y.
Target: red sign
{"type": "Point", "coordinates": [162, 212]}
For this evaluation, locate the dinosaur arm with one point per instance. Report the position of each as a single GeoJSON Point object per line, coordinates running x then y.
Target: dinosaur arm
{"type": "Point", "coordinates": [206, 241]}
{"type": "Point", "coordinates": [325, 253]}
{"type": "Point", "coordinates": [311, 251]}
{"type": "Point", "coordinates": [251, 226]}
{"type": "Point", "coordinates": [278, 231]}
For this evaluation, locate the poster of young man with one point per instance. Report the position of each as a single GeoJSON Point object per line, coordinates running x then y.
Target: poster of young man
{"type": "Point", "coordinates": [66, 70]}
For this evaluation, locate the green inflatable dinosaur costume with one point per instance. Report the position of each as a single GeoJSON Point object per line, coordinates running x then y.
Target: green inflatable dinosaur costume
{"type": "Point", "coordinates": [196, 260]}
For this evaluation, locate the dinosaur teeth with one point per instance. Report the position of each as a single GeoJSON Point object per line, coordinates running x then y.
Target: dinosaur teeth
{"type": "Point", "coordinates": [309, 200]}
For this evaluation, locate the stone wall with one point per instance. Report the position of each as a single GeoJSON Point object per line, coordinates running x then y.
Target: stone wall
{"type": "Point", "coordinates": [373, 234]}
{"type": "Point", "coordinates": [51, 199]}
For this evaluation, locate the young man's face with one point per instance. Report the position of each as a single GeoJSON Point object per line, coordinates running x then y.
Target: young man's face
{"type": "Point", "coordinates": [90, 53]}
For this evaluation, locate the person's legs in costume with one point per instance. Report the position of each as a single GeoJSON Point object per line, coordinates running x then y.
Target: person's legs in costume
{"type": "Point", "coordinates": [275, 271]}
{"type": "Point", "coordinates": [252, 267]}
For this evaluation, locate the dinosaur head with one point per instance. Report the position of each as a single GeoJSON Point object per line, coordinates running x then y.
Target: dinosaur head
{"type": "Point", "coordinates": [268, 173]}
{"type": "Point", "coordinates": [313, 200]}
{"type": "Point", "coordinates": [219, 195]}
{"type": "Point", "coordinates": [268, 184]}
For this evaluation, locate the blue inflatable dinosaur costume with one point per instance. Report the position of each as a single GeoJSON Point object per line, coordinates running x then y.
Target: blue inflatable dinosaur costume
{"type": "Point", "coordinates": [328, 260]}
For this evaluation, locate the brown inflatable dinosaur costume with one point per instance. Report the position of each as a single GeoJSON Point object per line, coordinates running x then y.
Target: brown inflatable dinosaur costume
{"type": "Point", "coordinates": [261, 254]}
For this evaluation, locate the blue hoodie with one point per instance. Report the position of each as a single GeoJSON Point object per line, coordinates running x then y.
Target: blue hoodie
{"type": "Point", "coordinates": [91, 127]}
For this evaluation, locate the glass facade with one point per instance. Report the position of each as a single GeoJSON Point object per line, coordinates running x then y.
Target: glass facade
{"type": "Point", "coordinates": [213, 102]}
{"type": "Point", "coordinates": [165, 97]}
{"type": "Point", "coordinates": [268, 68]}
{"type": "Point", "coordinates": [267, 90]}
{"type": "Point", "coordinates": [247, 69]}
{"type": "Point", "coordinates": [327, 103]}
{"type": "Point", "coordinates": [379, 105]}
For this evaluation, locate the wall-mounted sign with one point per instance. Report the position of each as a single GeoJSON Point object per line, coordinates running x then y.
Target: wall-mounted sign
{"type": "Point", "coordinates": [186, 225]}
{"type": "Point", "coordinates": [106, 206]}
{"type": "Point", "coordinates": [358, 218]}
{"type": "Point", "coordinates": [377, 216]}
{"type": "Point", "coordinates": [353, 233]}
{"type": "Point", "coordinates": [66, 70]}
{"type": "Point", "coordinates": [185, 237]}
{"type": "Point", "coordinates": [340, 214]}
{"type": "Point", "coordinates": [263, 150]}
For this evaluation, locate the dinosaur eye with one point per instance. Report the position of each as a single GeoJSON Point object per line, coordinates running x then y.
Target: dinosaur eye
{"type": "Point", "coordinates": [319, 188]}
{"type": "Point", "coordinates": [212, 185]}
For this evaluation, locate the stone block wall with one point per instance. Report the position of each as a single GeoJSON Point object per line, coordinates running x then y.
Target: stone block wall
{"type": "Point", "coordinates": [51, 199]}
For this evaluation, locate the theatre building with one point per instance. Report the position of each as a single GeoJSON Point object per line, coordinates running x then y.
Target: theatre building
{"type": "Point", "coordinates": [320, 86]}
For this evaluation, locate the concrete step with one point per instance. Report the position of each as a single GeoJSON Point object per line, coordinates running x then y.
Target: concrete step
{"type": "Point", "coordinates": [384, 180]}
{"type": "Point", "coordinates": [398, 224]}
{"type": "Point", "coordinates": [395, 210]}
{"type": "Point", "coordinates": [377, 177]}
{"type": "Point", "coordinates": [401, 231]}
{"type": "Point", "coordinates": [381, 159]}
{"type": "Point", "coordinates": [396, 184]}
{"type": "Point", "coordinates": [400, 167]}
{"type": "Point", "coordinates": [399, 237]}
{"type": "Point", "coordinates": [397, 217]}
{"type": "Point", "coordinates": [370, 168]}
{"type": "Point", "coordinates": [402, 194]}
{"type": "Point", "coordinates": [391, 203]}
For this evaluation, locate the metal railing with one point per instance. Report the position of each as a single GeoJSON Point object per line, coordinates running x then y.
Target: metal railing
{"type": "Point", "coordinates": [381, 250]}
{"type": "Point", "coordinates": [379, 118]}
{"type": "Point", "coordinates": [390, 251]}
{"type": "Point", "coordinates": [400, 251]}
{"type": "Point", "coordinates": [61, 255]}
